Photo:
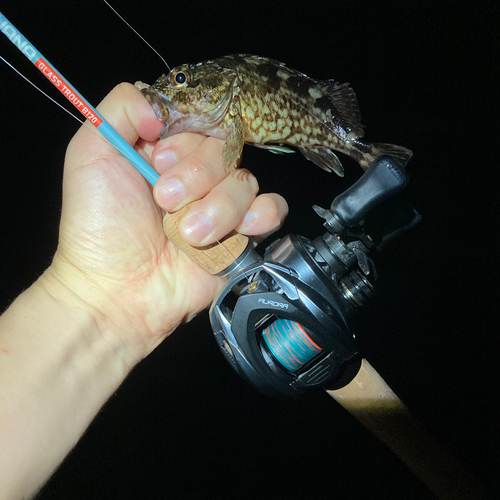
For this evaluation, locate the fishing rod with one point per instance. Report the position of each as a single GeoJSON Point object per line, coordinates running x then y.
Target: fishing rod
{"type": "Point", "coordinates": [285, 320]}
{"type": "Point", "coordinates": [93, 117]}
{"type": "Point", "coordinates": [76, 99]}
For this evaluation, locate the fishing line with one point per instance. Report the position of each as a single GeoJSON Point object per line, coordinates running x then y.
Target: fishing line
{"type": "Point", "coordinates": [290, 343]}
{"type": "Point", "coordinates": [86, 109]}
{"type": "Point", "coordinates": [76, 99]}
{"type": "Point", "coordinates": [40, 90]}
{"type": "Point", "coordinates": [138, 34]}
{"type": "Point", "coordinates": [179, 201]}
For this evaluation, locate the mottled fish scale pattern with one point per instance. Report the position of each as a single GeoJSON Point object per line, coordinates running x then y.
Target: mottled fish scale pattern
{"type": "Point", "coordinates": [278, 106]}
{"type": "Point", "coordinates": [251, 99]}
{"type": "Point", "coordinates": [281, 117]}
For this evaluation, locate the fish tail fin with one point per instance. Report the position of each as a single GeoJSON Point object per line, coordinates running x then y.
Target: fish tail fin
{"type": "Point", "coordinates": [399, 153]}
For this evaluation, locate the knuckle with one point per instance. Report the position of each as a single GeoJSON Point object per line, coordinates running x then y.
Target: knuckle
{"type": "Point", "coordinates": [228, 205]}
{"type": "Point", "coordinates": [200, 169]}
{"type": "Point", "coordinates": [173, 141]}
{"type": "Point", "coordinates": [182, 142]}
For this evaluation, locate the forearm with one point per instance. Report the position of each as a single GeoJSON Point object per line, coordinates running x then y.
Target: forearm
{"type": "Point", "coordinates": [58, 366]}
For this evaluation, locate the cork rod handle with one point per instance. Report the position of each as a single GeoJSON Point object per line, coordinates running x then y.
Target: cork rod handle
{"type": "Point", "coordinates": [213, 258]}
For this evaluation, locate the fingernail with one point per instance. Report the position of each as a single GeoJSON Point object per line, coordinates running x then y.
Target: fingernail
{"type": "Point", "coordinates": [165, 160]}
{"type": "Point", "coordinates": [247, 222]}
{"type": "Point", "coordinates": [171, 194]}
{"type": "Point", "coordinates": [197, 227]}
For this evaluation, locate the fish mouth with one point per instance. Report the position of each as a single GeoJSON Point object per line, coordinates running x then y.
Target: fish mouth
{"type": "Point", "coordinates": [204, 118]}
{"type": "Point", "coordinates": [160, 105]}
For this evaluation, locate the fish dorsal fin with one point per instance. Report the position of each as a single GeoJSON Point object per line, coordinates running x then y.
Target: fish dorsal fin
{"type": "Point", "coordinates": [344, 99]}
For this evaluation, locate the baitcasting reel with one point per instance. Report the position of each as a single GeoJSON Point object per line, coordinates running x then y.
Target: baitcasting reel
{"type": "Point", "coordinates": [284, 321]}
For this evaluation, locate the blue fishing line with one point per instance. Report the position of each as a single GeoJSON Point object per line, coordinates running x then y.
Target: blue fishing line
{"type": "Point", "coordinates": [78, 101]}
{"type": "Point", "coordinates": [290, 343]}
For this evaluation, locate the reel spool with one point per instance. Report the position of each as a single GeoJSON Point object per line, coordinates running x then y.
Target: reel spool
{"type": "Point", "coordinates": [290, 343]}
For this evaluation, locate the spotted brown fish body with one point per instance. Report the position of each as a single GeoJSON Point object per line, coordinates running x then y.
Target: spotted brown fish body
{"type": "Point", "coordinates": [251, 99]}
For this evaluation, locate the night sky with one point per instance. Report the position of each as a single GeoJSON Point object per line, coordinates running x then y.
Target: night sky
{"type": "Point", "coordinates": [184, 425]}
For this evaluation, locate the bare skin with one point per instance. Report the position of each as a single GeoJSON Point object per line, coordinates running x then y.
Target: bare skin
{"type": "Point", "coordinates": [116, 287]}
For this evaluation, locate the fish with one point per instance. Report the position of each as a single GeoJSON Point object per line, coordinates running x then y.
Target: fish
{"type": "Point", "coordinates": [249, 99]}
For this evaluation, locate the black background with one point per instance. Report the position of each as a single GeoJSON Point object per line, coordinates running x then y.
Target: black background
{"type": "Point", "coordinates": [184, 425]}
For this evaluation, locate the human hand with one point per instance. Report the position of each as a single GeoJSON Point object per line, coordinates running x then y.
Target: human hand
{"type": "Point", "coordinates": [113, 256]}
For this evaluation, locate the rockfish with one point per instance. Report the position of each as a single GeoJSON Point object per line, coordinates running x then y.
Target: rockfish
{"type": "Point", "coordinates": [251, 99]}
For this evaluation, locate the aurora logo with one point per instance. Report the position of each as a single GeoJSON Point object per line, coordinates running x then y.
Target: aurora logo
{"type": "Point", "coordinates": [273, 303]}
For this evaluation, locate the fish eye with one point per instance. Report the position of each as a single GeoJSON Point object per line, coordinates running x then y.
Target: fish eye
{"type": "Point", "coordinates": [180, 78]}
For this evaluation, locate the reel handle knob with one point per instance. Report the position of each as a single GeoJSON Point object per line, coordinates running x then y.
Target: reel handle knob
{"type": "Point", "coordinates": [383, 179]}
{"type": "Point", "coordinates": [214, 258]}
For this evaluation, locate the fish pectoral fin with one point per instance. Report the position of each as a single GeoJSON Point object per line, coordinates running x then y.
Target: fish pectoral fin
{"type": "Point", "coordinates": [325, 159]}
{"type": "Point", "coordinates": [344, 99]}
{"type": "Point", "coordinates": [274, 148]}
{"type": "Point", "coordinates": [233, 147]}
